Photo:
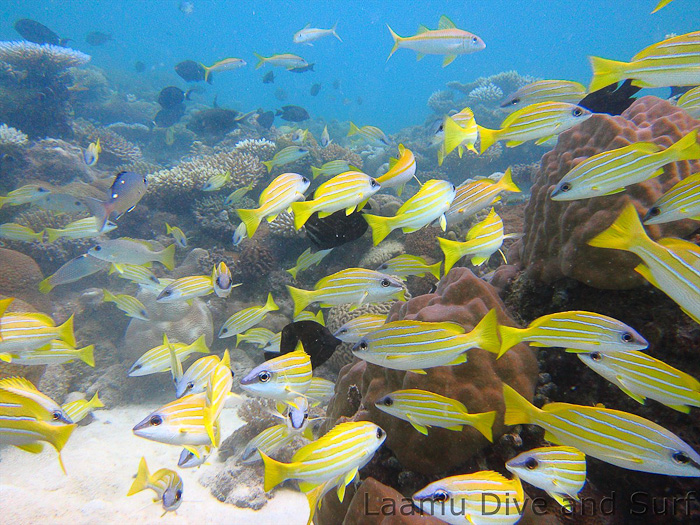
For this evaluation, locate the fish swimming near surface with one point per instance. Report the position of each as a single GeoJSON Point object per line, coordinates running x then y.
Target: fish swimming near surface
{"type": "Point", "coordinates": [73, 271]}
{"type": "Point", "coordinates": [166, 483]}
{"type": "Point", "coordinates": [671, 62]}
{"type": "Point", "coordinates": [125, 193]}
{"type": "Point", "coordinates": [400, 171]}
{"type": "Point", "coordinates": [682, 201]}
{"type": "Point", "coordinates": [612, 171]}
{"type": "Point", "coordinates": [282, 378]}
{"type": "Point", "coordinates": [336, 229]}
{"type": "Point", "coordinates": [97, 38]}
{"type": "Point", "coordinates": [355, 329]}
{"type": "Point", "coordinates": [311, 34]}
{"type": "Point", "coordinates": [445, 40]}
{"type": "Point", "coordinates": [132, 251]}
{"type": "Point", "coordinates": [318, 342]}
{"type": "Point", "coordinates": [577, 329]}
{"type": "Point", "coordinates": [92, 153]}
{"type": "Point", "coordinates": [79, 410]}
{"type": "Point", "coordinates": [293, 114]}
{"type": "Point", "coordinates": [559, 471]}
{"type": "Point", "coordinates": [38, 33]}
{"type": "Point", "coordinates": [371, 134]}
{"type": "Point", "coordinates": [545, 91]}
{"type": "Point", "coordinates": [474, 196]}
{"type": "Point", "coordinates": [247, 318]}
{"type": "Point", "coordinates": [227, 64]}
{"type": "Point", "coordinates": [286, 60]}
{"type": "Point", "coordinates": [191, 71]}
{"type": "Point", "coordinates": [423, 409]}
{"type": "Point", "coordinates": [619, 438]}
{"type": "Point", "coordinates": [268, 78]}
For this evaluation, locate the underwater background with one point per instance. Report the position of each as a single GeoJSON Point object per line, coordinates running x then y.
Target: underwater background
{"type": "Point", "coordinates": [142, 114]}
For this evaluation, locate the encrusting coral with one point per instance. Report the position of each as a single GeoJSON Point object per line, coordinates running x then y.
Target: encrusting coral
{"type": "Point", "coordinates": [557, 233]}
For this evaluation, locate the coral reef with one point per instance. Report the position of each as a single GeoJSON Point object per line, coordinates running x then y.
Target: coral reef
{"type": "Point", "coordinates": [57, 162]}
{"type": "Point", "coordinates": [257, 260]}
{"type": "Point", "coordinates": [556, 233]}
{"type": "Point", "coordinates": [487, 94]}
{"type": "Point", "coordinates": [424, 242]}
{"type": "Point", "coordinates": [381, 254]}
{"type": "Point", "coordinates": [283, 226]}
{"type": "Point", "coordinates": [20, 276]}
{"type": "Point", "coordinates": [11, 139]}
{"type": "Point", "coordinates": [213, 216]}
{"type": "Point", "coordinates": [337, 152]}
{"type": "Point", "coordinates": [30, 56]}
{"type": "Point", "coordinates": [261, 148]}
{"type": "Point", "coordinates": [115, 148]}
{"type": "Point", "coordinates": [441, 102]}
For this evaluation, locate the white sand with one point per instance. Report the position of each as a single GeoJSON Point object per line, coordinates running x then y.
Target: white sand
{"type": "Point", "coordinates": [101, 460]}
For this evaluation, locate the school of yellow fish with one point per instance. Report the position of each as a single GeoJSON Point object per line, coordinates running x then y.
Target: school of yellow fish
{"type": "Point", "coordinates": [192, 421]}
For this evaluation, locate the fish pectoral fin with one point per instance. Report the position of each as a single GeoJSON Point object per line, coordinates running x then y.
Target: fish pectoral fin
{"type": "Point", "coordinates": [461, 358]}
{"type": "Point", "coordinates": [420, 428]}
{"type": "Point", "coordinates": [456, 428]}
{"type": "Point", "coordinates": [323, 214]}
{"type": "Point", "coordinates": [350, 210]}
{"type": "Point", "coordinates": [638, 398]}
{"type": "Point", "coordinates": [478, 261]}
{"type": "Point", "coordinates": [419, 56]}
{"type": "Point", "coordinates": [346, 481]}
{"type": "Point", "coordinates": [443, 222]}
{"type": "Point", "coordinates": [551, 438]}
{"type": "Point", "coordinates": [542, 140]}
{"type": "Point", "coordinates": [564, 501]}
{"type": "Point", "coordinates": [613, 192]}
{"type": "Point", "coordinates": [33, 448]}
{"type": "Point", "coordinates": [513, 143]}
{"type": "Point", "coordinates": [271, 218]}
{"type": "Point", "coordinates": [418, 371]}
{"type": "Point", "coordinates": [448, 60]}
{"type": "Point", "coordinates": [645, 272]}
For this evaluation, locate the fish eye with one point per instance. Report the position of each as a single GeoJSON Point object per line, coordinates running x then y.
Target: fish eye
{"type": "Point", "coordinates": [653, 212]}
{"type": "Point", "coordinates": [681, 458]}
{"type": "Point", "coordinates": [178, 495]}
{"type": "Point", "coordinates": [474, 40]}
{"type": "Point", "coordinates": [190, 385]}
{"type": "Point", "coordinates": [515, 101]}
{"type": "Point", "coordinates": [626, 337]}
{"type": "Point", "coordinates": [577, 112]}
{"type": "Point", "coordinates": [440, 496]}
{"type": "Point", "coordinates": [264, 376]}
{"type": "Point", "coordinates": [565, 187]}
{"type": "Point", "coordinates": [362, 345]}
{"type": "Point", "coordinates": [374, 183]}
{"type": "Point", "coordinates": [224, 330]}
{"type": "Point", "coordinates": [380, 433]}
{"type": "Point", "coordinates": [385, 283]}
{"type": "Point", "coordinates": [155, 421]}
{"type": "Point", "coordinates": [343, 331]}
{"type": "Point", "coordinates": [531, 464]}
{"type": "Point", "coordinates": [304, 180]}
{"type": "Point", "coordinates": [97, 248]}
{"type": "Point", "coordinates": [167, 292]}
{"type": "Point", "coordinates": [56, 415]}
{"type": "Point", "coordinates": [596, 356]}
{"type": "Point", "coordinates": [388, 401]}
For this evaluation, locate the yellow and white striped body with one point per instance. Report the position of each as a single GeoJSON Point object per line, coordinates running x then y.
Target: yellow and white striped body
{"type": "Point", "coordinates": [640, 376]}
{"type": "Point", "coordinates": [680, 202]}
{"type": "Point", "coordinates": [24, 195]}
{"type": "Point", "coordinates": [55, 352]}
{"type": "Point", "coordinates": [320, 391]}
{"type": "Point", "coordinates": [29, 331]}
{"type": "Point", "coordinates": [274, 344]}
{"type": "Point", "coordinates": [306, 315]}
{"type": "Point", "coordinates": [545, 91]}
{"type": "Point", "coordinates": [178, 235]}
{"type": "Point", "coordinates": [180, 422]}
{"type": "Point", "coordinates": [166, 483]}
{"type": "Point", "coordinates": [157, 359]}
{"type": "Point", "coordinates": [16, 232]}
{"type": "Point", "coordinates": [256, 336]}
{"type": "Point", "coordinates": [78, 410]}
{"type": "Point", "coordinates": [13, 389]}
{"type": "Point", "coordinates": [458, 131]}
{"type": "Point", "coordinates": [196, 377]}
{"type": "Point", "coordinates": [268, 441]}
{"type": "Point", "coordinates": [218, 388]}
{"type": "Point", "coordinates": [472, 197]}
{"type": "Point", "coordinates": [286, 156]}
{"type": "Point", "coordinates": [371, 134]}
{"type": "Point", "coordinates": [247, 318]}
{"type": "Point", "coordinates": [135, 273]}
{"type": "Point", "coordinates": [285, 60]}
{"type": "Point", "coordinates": [690, 102]}
{"type": "Point", "coordinates": [217, 181]}
{"type": "Point", "coordinates": [307, 260]}
{"type": "Point", "coordinates": [559, 471]}
{"type": "Point", "coordinates": [483, 240]}
{"type": "Point", "coordinates": [186, 289]}
{"type": "Point", "coordinates": [404, 265]}
{"type": "Point", "coordinates": [80, 229]}
{"type": "Point", "coordinates": [282, 378]}
{"type": "Point", "coordinates": [332, 168]}
{"type": "Point", "coordinates": [401, 170]}
{"type": "Point", "coordinates": [355, 329]}
{"type": "Point", "coordinates": [128, 304]}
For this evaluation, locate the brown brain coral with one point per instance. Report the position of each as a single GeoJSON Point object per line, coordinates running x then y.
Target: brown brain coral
{"type": "Point", "coordinates": [463, 298]}
{"type": "Point", "coordinates": [20, 276]}
{"type": "Point", "coordinates": [556, 233]}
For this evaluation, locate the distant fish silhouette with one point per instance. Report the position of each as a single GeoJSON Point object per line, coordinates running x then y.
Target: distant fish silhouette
{"type": "Point", "coordinates": [38, 33]}
{"type": "Point", "coordinates": [336, 229]}
{"type": "Point", "coordinates": [302, 69]}
{"type": "Point", "coordinates": [191, 71]}
{"type": "Point", "coordinates": [268, 78]}
{"type": "Point", "coordinates": [318, 341]}
{"type": "Point", "coordinates": [315, 89]}
{"type": "Point", "coordinates": [97, 38]}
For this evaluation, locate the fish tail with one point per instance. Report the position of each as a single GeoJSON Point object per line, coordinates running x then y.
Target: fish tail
{"type": "Point", "coordinates": [261, 61]}
{"type": "Point", "coordinates": [434, 269]}
{"type": "Point", "coordinates": [251, 220]}
{"type": "Point", "coordinates": [315, 172]}
{"type": "Point", "coordinates": [452, 251]}
{"type": "Point", "coordinates": [52, 234]}
{"type": "Point", "coordinates": [660, 5]}
{"type": "Point", "coordinates": [519, 411]}
{"type": "Point", "coordinates": [397, 41]}
{"type": "Point", "coordinates": [441, 155]}
{"type": "Point", "coordinates": [45, 286]}
{"type": "Point", "coordinates": [333, 29]}
{"type": "Point", "coordinates": [108, 296]}
{"type": "Point", "coordinates": [207, 72]}
{"type": "Point", "coordinates": [510, 336]}
{"type": "Point", "coordinates": [301, 298]}
{"type": "Point", "coordinates": [623, 234]}
{"type": "Point", "coordinates": [95, 401]}
{"type": "Point", "coordinates": [168, 229]}
{"type": "Point", "coordinates": [353, 129]}
{"type": "Point", "coordinates": [99, 210]}
{"type": "Point", "coordinates": [87, 355]}
{"type": "Point", "coordinates": [454, 135]}
{"type": "Point", "coordinates": [200, 345]}
{"type": "Point", "coordinates": [141, 481]}
{"type": "Point", "coordinates": [65, 332]}
{"type": "Point", "coordinates": [268, 164]}
{"type": "Point", "coordinates": [486, 332]}
{"type": "Point", "coordinates": [209, 425]}
{"type": "Point", "coordinates": [319, 318]}
{"type": "Point", "coordinates": [484, 423]}
{"type": "Point", "coordinates": [605, 72]}
{"type": "Point", "coordinates": [488, 137]}
{"type": "Point", "coordinates": [381, 227]}
{"type": "Point", "coordinates": [275, 471]}
{"type": "Point", "coordinates": [3, 200]}
{"type": "Point", "coordinates": [686, 148]}
{"type": "Point", "coordinates": [293, 272]}
{"type": "Point", "coordinates": [313, 497]}
{"type": "Point", "coordinates": [302, 212]}
{"type": "Point", "coordinates": [507, 183]}
{"type": "Point", "coordinates": [39, 236]}
{"type": "Point", "coordinates": [167, 257]}
{"type": "Point", "coordinates": [270, 305]}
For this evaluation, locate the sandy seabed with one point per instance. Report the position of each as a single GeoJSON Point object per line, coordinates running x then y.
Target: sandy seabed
{"type": "Point", "coordinates": [101, 460]}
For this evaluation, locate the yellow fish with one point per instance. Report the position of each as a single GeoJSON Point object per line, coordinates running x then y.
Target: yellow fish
{"type": "Point", "coordinates": [80, 229]}
{"type": "Point", "coordinates": [186, 289]}
{"type": "Point", "coordinates": [218, 387]}
{"type": "Point", "coordinates": [28, 331]}
{"type": "Point", "coordinates": [247, 318]}
{"type": "Point", "coordinates": [474, 196]}
{"type": "Point", "coordinates": [53, 353]}
{"type": "Point", "coordinates": [401, 170]}
{"type": "Point", "coordinates": [78, 410]}
{"type": "Point", "coordinates": [227, 64]}
{"type": "Point", "coordinates": [178, 235]}
{"type": "Point", "coordinates": [460, 131]}
{"type": "Point", "coordinates": [282, 378]}
{"type": "Point", "coordinates": [690, 102]}
{"type": "Point", "coordinates": [217, 181]}
{"type": "Point", "coordinates": [157, 359]}
{"type": "Point", "coordinates": [285, 60]}
{"type": "Point", "coordinates": [131, 306]}
{"type": "Point", "coordinates": [680, 202]}
{"type": "Point", "coordinates": [307, 260]}
{"type": "Point", "coordinates": [371, 134]}
{"type": "Point", "coordinates": [92, 153]}
{"type": "Point", "coordinates": [545, 91]}
{"type": "Point", "coordinates": [25, 194]}
{"type": "Point", "coordinates": [166, 483]}
{"type": "Point", "coordinates": [286, 156]}
{"type": "Point", "coordinates": [17, 232]}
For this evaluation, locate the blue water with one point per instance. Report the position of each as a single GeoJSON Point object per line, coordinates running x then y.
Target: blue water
{"type": "Point", "coordinates": [544, 39]}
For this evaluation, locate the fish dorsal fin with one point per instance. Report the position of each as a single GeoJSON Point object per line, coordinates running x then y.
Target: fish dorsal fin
{"type": "Point", "coordinates": [446, 23]}
{"type": "Point", "coordinates": [422, 29]}
{"type": "Point", "coordinates": [645, 147]}
{"type": "Point", "coordinates": [402, 149]}
{"type": "Point", "coordinates": [19, 383]}
{"type": "Point", "coordinates": [392, 162]}
{"type": "Point", "coordinates": [42, 318]}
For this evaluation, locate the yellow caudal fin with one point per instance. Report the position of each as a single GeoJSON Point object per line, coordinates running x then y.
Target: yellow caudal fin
{"type": "Point", "coordinates": [5, 304]}
{"type": "Point", "coordinates": [441, 154]}
{"type": "Point", "coordinates": [686, 148]}
{"type": "Point", "coordinates": [268, 164]}
{"type": "Point", "coordinates": [487, 138]}
{"type": "Point", "coordinates": [141, 481]}
{"type": "Point", "coordinates": [302, 211]}
{"type": "Point", "coordinates": [454, 135]}
{"type": "Point", "coordinates": [270, 305]}
{"type": "Point", "coordinates": [52, 234]}
{"type": "Point", "coordinates": [452, 250]}
{"type": "Point", "coordinates": [209, 422]}
{"type": "Point", "coordinates": [353, 129]}
{"type": "Point", "coordinates": [261, 61]}
{"type": "Point", "coordinates": [251, 219]}
{"type": "Point", "coordinates": [3, 200]}
{"type": "Point", "coordinates": [625, 233]}
{"type": "Point", "coordinates": [275, 471]}
{"type": "Point", "coordinates": [95, 401]}
{"type": "Point", "coordinates": [510, 336]}
{"type": "Point", "coordinates": [519, 411]}
{"type": "Point", "coordinates": [506, 182]}
{"type": "Point", "coordinates": [315, 172]}
{"type": "Point", "coordinates": [301, 298]}
{"type": "Point", "coordinates": [434, 269]}
{"type": "Point", "coordinates": [486, 332]}
{"type": "Point", "coordinates": [314, 499]}
{"type": "Point", "coordinates": [207, 72]}
{"type": "Point", "coordinates": [606, 72]}
{"type": "Point", "coordinates": [661, 4]}
{"type": "Point", "coordinates": [397, 41]}
{"type": "Point", "coordinates": [65, 332]}
{"type": "Point", "coordinates": [45, 286]}
{"type": "Point", "coordinates": [167, 257]}
{"type": "Point", "coordinates": [87, 355]}
{"type": "Point", "coordinates": [484, 423]}
{"type": "Point", "coordinates": [200, 345]}
{"type": "Point", "coordinates": [381, 227]}
{"type": "Point", "coordinates": [293, 272]}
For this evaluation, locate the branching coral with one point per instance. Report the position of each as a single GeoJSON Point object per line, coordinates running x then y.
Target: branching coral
{"type": "Point", "coordinates": [441, 102]}
{"type": "Point", "coordinates": [46, 57]}
{"type": "Point", "coordinates": [261, 148]}
{"type": "Point", "coordinates": [487, 94]}
{"type": "Point", "coordinates": [11, 139]}
{"type": "Point", "coordinates": [337, 152]}
{"type": "Point", "coordinates": [115, 148]}
{"type": "Point", "coordinates": [283, 226]}
{"type": "Point", "coordinates": [214, 217]}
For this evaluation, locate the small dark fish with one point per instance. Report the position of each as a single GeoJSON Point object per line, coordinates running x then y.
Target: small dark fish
{"type": "Point", "coordinates": [38, 33]}
{"type": "Point", "coordinates": [318, 341]}
{"type": "Point", "coordinates": [336, 84]}
{"type": "Point", "coordinates": [191, 71]}
{"type": "Point", "coordinates": [214, 121]}
{"type": "Point", "coordinates": [293, 114]}
{"type": "Point", "coordinates": [611, 99]}
{"type": "Point", "coordinates": [359, 101]}
{"type": "Point", "coordinates": [336, 229]}
{"type": "Point", "coordinates": [302, 69]}
{"type": "Point", "coordinates": [269, 77]}
{"type": "Point", "coordinates": [315, 89]}
{"type": "Point", "coordinates": [139, 66]}
{"type": "Point", "coordinates": [96, 38]}
{"type": "Point", "coordinates": [167, 117]}
{"type": "Point", "coordinates": [127, 190]}
{"type": "Point", "coordinates": [266, 118]}
{"type": "Point", "coordinates": [280, 94]}
{"type": "Point", "coordinates": [171, 96]}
